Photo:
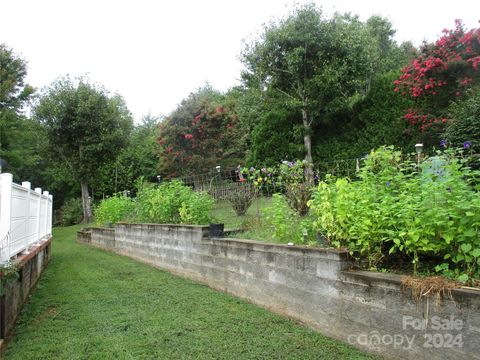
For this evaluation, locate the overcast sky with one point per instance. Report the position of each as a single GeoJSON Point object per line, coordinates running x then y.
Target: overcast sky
{"type": "Point", "coordinates": [154, 53]}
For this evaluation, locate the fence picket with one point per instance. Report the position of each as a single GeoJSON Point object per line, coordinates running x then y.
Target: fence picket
{"type": "Point", "coordinates": [23, 222]}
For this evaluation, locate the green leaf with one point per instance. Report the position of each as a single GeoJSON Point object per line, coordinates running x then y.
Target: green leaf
{"type": "Point", "coordinates": [448, 238]}
{"type": "Point", "coordinates": [463, 278]}
{"type": "Point", "coordinates": [470, 232]}
{"type": "Point", "coordinates": [476, 253]}
{"type": "Point", "coordinates": [466, 247]}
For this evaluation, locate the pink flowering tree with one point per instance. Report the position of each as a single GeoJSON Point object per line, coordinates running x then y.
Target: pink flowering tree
{"type": "Point", "coordinates": [201, 133]}
{"type": "Point", "coordinates": [444, 71]}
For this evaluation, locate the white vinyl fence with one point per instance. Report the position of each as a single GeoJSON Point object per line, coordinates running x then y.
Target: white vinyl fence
{"type": "Point", "coordinates": [25, 217]}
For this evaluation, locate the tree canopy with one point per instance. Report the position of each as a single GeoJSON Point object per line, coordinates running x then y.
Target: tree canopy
{"type": "Point", "coordinates": [201, 133]}
{"type": "Point", "coordinates": [86, 128]}
{"type": "Point", "coordinates": [443, 72]}
{"type": "Point", "coordinates": [313, 86]}
{"type": "Point", "coordinates": [18, 135]}
{"type": "Point", "coordinates": [138, 159]}
{"type": "Point", "coordinates": [14, 92]}
{"type": "Point", "coordinates": [319, 66]}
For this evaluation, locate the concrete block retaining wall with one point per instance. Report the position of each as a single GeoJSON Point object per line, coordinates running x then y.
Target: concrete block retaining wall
{"type": "Point", "coordinates": [30, 267]}
{"type": "Point", "coordinates": [314, 286]}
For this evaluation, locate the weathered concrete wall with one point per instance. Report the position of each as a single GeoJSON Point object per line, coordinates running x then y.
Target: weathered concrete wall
{"type": "Point", "coordinates": [16, 293]}
{"type": "Point", "coordinates": [84, 235]}
{"type": "Point", "coordinates": [367, 310]}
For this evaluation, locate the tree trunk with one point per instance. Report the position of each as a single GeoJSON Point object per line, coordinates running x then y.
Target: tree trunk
{"type": "Point", "coordinates": [307, 140]}
{"type": "Point", "coordinates": [87, 210]}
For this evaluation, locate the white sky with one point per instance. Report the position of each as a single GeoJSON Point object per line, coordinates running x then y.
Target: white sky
{"type": "Point", "coordinates": [154, 53]}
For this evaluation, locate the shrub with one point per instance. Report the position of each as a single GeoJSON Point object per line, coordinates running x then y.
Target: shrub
{"type": "Point", "coordinates": [70, 213]}
{"type": "Point", "coordinates": [297, 189]}
{"type": "Point", "coordinates": [394, 209]}
{"type": "Point", "coordinates": [113, 209]}
{"type": "Point", "coordinates": [297, 196]}
{"type": "Point", "coordinates": [173, 203]}
{"type": "Point", "coordinates": [196, 209]}
{"type": "Point", "coordinates": [443, 71]}
{"type": "Point", "coordinates": [284, 224]}
{"type": "Point", "coordinates": [465, 124]}
{"type": "Point", "coordinates": [241, 199]}
{"type": "Point", "coordinates": [373, 122]}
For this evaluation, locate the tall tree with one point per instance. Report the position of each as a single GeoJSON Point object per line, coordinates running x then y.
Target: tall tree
{"type": "Point", "coordinates": [200, 134]}
{"type": "Point", "coordinates": [138, 159]}
{"type": "Point", "coordinates": [14, 92]}
{"type": "Point", "coordinates": [16, 137]}
{"type": "Point", "coordinates": [443, 72]}
{"type": "Point", "coordinates": [86, 128]}
{"type": "Point", "coordinates": [375, 121]}
{"type": "Point", "coordinates": [319, 65]}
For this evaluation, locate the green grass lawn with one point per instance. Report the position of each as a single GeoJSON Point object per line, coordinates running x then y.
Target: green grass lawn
{"type": "Point", "coordinates": [91, 304]}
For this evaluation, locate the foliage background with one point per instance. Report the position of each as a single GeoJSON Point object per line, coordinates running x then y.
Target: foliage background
{"type": "Point", "coordinates": [259, 122]}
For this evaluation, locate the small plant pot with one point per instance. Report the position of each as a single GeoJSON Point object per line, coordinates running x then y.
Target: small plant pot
{"type": "Point", "coordinates": [216, 230]}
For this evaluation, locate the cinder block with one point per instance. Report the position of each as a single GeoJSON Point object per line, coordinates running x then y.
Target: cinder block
{"type": "Point", "coordinates": [311, 285]}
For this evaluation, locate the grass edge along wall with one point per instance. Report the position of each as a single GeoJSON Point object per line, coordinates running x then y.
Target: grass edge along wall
{"type": "Point", "coordinates": [367, 310]}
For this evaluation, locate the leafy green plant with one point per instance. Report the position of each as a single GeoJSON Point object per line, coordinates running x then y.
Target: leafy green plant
{"type": "Point", "coordinates": [297, 196]}
{"type": "Point", "coordinates": [172, 203]}
{"type": "Point", "coordinates": [394, 208]}
{"type": "Point", "coordinates": [285, 225]}
{"type": "Point", "coordinates": [196, 209]}
{"type": "Point", "coordinates": [262, 179]}
{"type": "Point", "coordinates": [298, 190]}
{"type": "Point", "coordinates": [71, 212]}
{"type": "Point", "coordinates": [114, 209]}
{"type": "Point", "coordinates": [287, 177]}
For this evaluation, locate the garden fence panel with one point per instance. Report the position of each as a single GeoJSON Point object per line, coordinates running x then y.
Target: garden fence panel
{"type": "Point", "coordinates": [25, 217]}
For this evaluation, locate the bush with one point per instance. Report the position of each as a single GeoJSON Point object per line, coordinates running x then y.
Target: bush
{"type": "Point", "coordinates": [297, 196]}
{"type": "Point", "coordinates": [291, 176]}
{"type": "Point", "coordinates": [113, 210]}
{"type": "Point", "coordinates": [465, 124]}
{"type": "Point", "coordinates": [285, 225]}
{"type": "Point", "coordinates": [392, 209]}
{"type": "Point", "coordinates": [373, 122]}
{"type": "Point", "coordinates": [71, 212]}
{"type": "Point", "coordinates": [173, 203]}
{"type": "Point", "coordinates": [241, 199]}
{"type": "Point", "coordinates": [196, 209]}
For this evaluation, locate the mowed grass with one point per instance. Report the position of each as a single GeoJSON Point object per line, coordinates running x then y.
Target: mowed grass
{"type": "Point", "coordinates": [91, 304]}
